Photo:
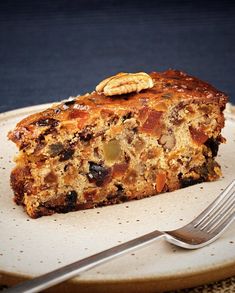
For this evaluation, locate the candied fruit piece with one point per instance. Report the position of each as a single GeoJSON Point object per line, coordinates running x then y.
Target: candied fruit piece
{"type": "Point", "coordinates": [153, 123]}
{"type": "Point", "coordinates": [112, 150]}
{"type": "Point", "coordinates": [161, 181]}
{"type": "Point", "coordinates": [198, 135]}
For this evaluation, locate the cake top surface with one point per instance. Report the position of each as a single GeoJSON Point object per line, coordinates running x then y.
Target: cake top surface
{"type": "Point", "coordinates": [168, 87]}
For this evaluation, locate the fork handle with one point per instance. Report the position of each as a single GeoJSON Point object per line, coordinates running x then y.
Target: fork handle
{"type": "Point", "coordinates": [72, 270]}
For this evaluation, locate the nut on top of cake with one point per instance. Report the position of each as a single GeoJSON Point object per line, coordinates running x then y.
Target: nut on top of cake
{"type": "Point", "coordinates": [136, 135]}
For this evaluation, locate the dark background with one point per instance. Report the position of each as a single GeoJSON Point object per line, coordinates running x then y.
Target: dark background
{"type": "Point", "coordinates": [50, 50]}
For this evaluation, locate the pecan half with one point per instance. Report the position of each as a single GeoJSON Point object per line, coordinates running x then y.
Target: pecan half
{"type": "Point", "coordinates": [167, 141]}
{"type": "Point", "coordinates": [124, 83]}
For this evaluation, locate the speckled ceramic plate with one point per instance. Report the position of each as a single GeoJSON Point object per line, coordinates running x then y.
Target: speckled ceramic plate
{"type": "Point", "coordinates": [32, 247]}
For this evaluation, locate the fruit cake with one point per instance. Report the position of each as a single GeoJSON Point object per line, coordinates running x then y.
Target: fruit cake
{"type": "Point", "coordinates": [136, 135]}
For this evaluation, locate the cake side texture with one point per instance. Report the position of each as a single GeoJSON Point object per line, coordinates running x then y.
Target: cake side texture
{"type": "Point", "coordinates": [97, 149]}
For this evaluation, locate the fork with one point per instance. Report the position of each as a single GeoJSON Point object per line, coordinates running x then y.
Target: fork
{"type": "Point", "coordinates": [204, 229]}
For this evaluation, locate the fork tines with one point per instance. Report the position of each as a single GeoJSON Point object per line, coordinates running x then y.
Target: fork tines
{"type": "Point", "coordinates": [219, 213]}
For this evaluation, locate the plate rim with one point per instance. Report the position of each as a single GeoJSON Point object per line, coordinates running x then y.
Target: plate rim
{"type": "Point", "coordinates": [27, 110]}
{"type": "Point", "coordinates": [145, 284]}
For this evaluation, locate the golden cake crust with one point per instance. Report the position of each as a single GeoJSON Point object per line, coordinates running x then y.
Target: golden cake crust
{"type": "Point", "coordinates": [168, 86]}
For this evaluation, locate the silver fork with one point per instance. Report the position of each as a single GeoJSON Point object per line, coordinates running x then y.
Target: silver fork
{"type": "Point", "coordinates": [204, 229]}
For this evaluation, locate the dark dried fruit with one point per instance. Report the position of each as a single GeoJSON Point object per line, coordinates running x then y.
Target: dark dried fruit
{"type": "Point", "coordinates": [213, 145]}
{"type": "Point", "coordinates": [47, 122]}
{"type": "Point", "coordinates": [56, 148]}
{"type": "Point", "coordinates": [66, 154]}
{"type": "Point", "coordinates": [120, 188]}
{"type": "Point", "coordinates": [40, 138]}
{"type": "Point", "coordinates": [50, 130]}
{"type": "Point", "coordinates": [71, 199]}
{"type": "Point", "coordinates": [175, 117]}
{"type": "Point", "coordinates": [70, 102]}
{"type": "Point", "coordinates": [121, 193]}
{"type": "Point", "coordinates": [98, 173]}
{"type": "Point", "coordinates": [185, 182]}
{"type": "Point", "coordinates": [85, 135]}
{"type": "Point", "coordinates": [23, 145]}
{"type": "Point", "coordinates": [118, 196]}
{"type": "Point", "coordinates": [127, 116]}
{"type": "Point", "coordinates": [202, 171]}
{"type": "Point", "coordinates": [67, 167]}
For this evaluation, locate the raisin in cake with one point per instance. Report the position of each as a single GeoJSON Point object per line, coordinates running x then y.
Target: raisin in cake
{"type": "Point", "coordinates": [137, 135]}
